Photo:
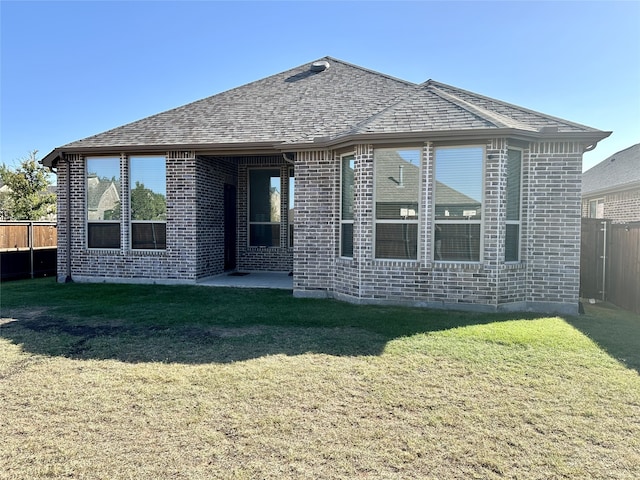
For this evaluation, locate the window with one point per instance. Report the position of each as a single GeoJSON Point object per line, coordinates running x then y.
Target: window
{"type": "Point", "coordinates": [458, 204]}
{"type": "Point", "coordinates": [264, 208]}
{"type": "Point", "coordinates": [596, 208]}
{"type": "Point", "coordinates": [514, 176]}
{"type": "Point", "coordinates": [347, 195]}
{"type": "Point", "coordinates": [292, 210]}
{"type": "Point", "coordinates": [148, 203]}
{"type": "Point", "coordinates": [397, 188]}
{"type": "Point", "coordinates": [103, 202]}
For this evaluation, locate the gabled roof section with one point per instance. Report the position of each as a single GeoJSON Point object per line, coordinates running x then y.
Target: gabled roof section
{"type": "Point", "coordinates": [439, 107]}
{"type": "Point", "coordinates": [617, 172]}
{"type": "Point", "coordinates": [292, 106]}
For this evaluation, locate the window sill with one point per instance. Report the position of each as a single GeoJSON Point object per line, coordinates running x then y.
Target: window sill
{"type": "Point", "coordinates": [463, 266]}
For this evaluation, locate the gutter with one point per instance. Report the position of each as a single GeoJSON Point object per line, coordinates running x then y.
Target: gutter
{"type": "Point", "coordinates": [346, 140]}
{"type": "Point", "coordinates": [252, 148]}
{"type": "Point", "coordinates": [545, 133]}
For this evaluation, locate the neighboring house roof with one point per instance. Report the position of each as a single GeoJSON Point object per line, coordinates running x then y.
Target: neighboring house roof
{"type": "Point", "coordinates": [308, 105]}
{"type": "Point", "coordinates": [448, 196]}
{"type": "Point", "coordinates": [620, 171]}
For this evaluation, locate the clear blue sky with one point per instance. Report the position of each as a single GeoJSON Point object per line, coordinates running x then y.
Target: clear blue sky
{"type": "Point", "coordinates": [73, 69]}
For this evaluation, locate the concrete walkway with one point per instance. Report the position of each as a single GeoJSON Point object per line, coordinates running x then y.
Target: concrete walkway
{"type": "Point", "coordinates": [278, 280]}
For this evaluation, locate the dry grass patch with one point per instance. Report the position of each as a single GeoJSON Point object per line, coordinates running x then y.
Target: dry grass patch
{"type": "Point", "coordinates": [99, 397]}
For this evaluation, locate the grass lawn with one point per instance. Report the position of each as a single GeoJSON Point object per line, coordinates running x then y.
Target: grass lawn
{"type": "Point", "coordinates": [156, 382]}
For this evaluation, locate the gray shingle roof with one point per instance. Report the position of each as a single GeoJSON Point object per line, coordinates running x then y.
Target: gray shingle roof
{"type": "Point", "coordinates": [617, 172]}
{"type": "Point", "coordinates": [292, 106]}
{"type": "Point", "coordinates": [299, 105]}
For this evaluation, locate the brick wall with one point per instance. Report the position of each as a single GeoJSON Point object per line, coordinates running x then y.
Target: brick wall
{"type": "Point", "coordinates": [211, 176]}
{"type": "Point", "coordinates": [263, 258]}
{"type": "Point", "coordinates": [620, 207]}
{"type": "Point", "coordinates": [176, 264]}
{"type": "Point", "coordinates": [195, 223]}
{"type": "Point", "coordinates": [317, 215]}
{"type": "Point", "coordinates": [546, 278]}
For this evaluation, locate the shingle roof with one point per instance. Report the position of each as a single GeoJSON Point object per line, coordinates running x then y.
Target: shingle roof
{"type": "Point", "coordinates": [619, 171]}
{"type": "Point", "coordinates": [292, 106]}
{"type": "Point", "coordinates": [300, 105]}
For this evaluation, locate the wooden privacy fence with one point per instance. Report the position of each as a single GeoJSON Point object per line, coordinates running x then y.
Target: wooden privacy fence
{"type": "Point", "coordinates": [610, 262]}
{"type": "Point", "coordinates": [27, 249]}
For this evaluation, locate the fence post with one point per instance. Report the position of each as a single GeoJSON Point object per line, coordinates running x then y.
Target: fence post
{"type": "Point", "coordinates": [30, 236]}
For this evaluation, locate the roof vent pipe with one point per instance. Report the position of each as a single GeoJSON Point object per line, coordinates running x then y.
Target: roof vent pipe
{"type": "Point", "coordinates": [320, 66]}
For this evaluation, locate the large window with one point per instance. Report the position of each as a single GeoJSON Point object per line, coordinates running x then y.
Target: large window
{"type": "Point", "coordinates": [397, 188]}
{"type": "Point", "coordinates": [347, 195]}
{"type": "Point", "coordinates": [514, 176]}
{"type": "Point", "coordinates": [292, 211]}
{"type": "Point", "coordinates": [264, 207]}
{"type": "Point", "coordinates": [458, 203]}
{"type": "Point", "coordinates": [103, 202]}
{"type": "Point", "coordinates": [148, 203]}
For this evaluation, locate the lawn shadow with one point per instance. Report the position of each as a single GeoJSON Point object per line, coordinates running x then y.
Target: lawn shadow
{"type": "Point", "coordinates": [615, 330]}
{"type": "Point", "coordinates": [42, 333]}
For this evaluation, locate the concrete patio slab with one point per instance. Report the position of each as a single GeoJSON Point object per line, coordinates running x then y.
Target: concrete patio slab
{"type": "Point", "coordinates": [277, 280]}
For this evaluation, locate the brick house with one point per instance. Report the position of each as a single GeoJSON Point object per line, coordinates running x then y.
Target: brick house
{"type": "Point", "coordinates": [611, 189]}
{"type": "Point", "coordinates": [403, 193]}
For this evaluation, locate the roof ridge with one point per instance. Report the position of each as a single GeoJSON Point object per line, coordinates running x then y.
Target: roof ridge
{"type": "Point", "coordinates": [498, 120]}
{"type": "Point", "coordinates": [510, 105]}
{"type": "Point", "coordinates": [359, 127]}
{"type": "Point", "coordinates": [368, 70]}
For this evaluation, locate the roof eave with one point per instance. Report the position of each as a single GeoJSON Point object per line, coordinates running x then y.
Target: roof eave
{"type": "Point", "coordinates": [250, 148]}
{"type": "Point", "coordinates": [611, 189]}
{"type": "Point", "coordinates": [271, 147]}
{"type": "Point", "coordinates": [590, 138]}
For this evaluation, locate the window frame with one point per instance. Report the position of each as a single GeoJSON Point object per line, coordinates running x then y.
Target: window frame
{"type": "Point", "coordinates": [131, 222]}
{"type": "Point", "coordinates": [291, 202]}
{"type": "Point", "coordinates": [343, 222]}
{"type": "Point", "coordinates": [88, 221]}
{"type": "Point", "coordinates": [596, 202]}
{"type": "Point", "coordinates": [250, 222]}
{"type": "Point", "coordinates": [415, 221]}
{"type": "Point", "coordinates": [481, 221]}
{"type": "Point", "coordinates": [519, 221]}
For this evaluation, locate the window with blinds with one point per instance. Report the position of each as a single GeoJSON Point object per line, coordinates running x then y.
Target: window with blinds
{"type": "Point", "coordinates": [397, 188]}
{"type": "Point", "coordinates": [513, 206]}
{"type": "Point", "coordinates": [458, 189]}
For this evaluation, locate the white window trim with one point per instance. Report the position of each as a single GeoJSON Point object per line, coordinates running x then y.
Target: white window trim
{"type": "Point", "coordinates": [346, 222]}
{"type": "Point", "coordinates": [459, 222]}
{"type": "Point", "coordinates": [401, 222]}
{"type": "Point", "coordinates": [519, 221]}
{"type": "Point", "coordinates": [249, 222]}
{"type": "Point", "coordinates": [86, 205]}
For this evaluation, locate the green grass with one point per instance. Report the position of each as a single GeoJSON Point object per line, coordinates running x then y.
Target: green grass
{"type": "Point", "coordinates": [123, 381]}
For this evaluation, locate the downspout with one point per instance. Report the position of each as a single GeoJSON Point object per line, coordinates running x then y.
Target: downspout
{"type": "Point", "coordinates": [287, 159]}
{"type": "Point", "coordinates": [604, 259]}
{"type": "Point", "coordinates": [68, 245]}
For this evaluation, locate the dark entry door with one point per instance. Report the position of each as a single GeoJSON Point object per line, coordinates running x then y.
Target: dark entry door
{"type": "Point", "coordinates": [230, 227]}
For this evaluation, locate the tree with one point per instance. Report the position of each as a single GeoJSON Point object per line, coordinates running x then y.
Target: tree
{"type": "Point", "coordinates": [146, 204]}
{"type": "Point", "coordinates": [26, 196]}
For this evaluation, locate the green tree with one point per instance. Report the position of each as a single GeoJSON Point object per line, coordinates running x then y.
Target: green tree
{"type": "Point", "coordinates": [26, 196]}
{"type": "Point", "coordinates": [146, 204]}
